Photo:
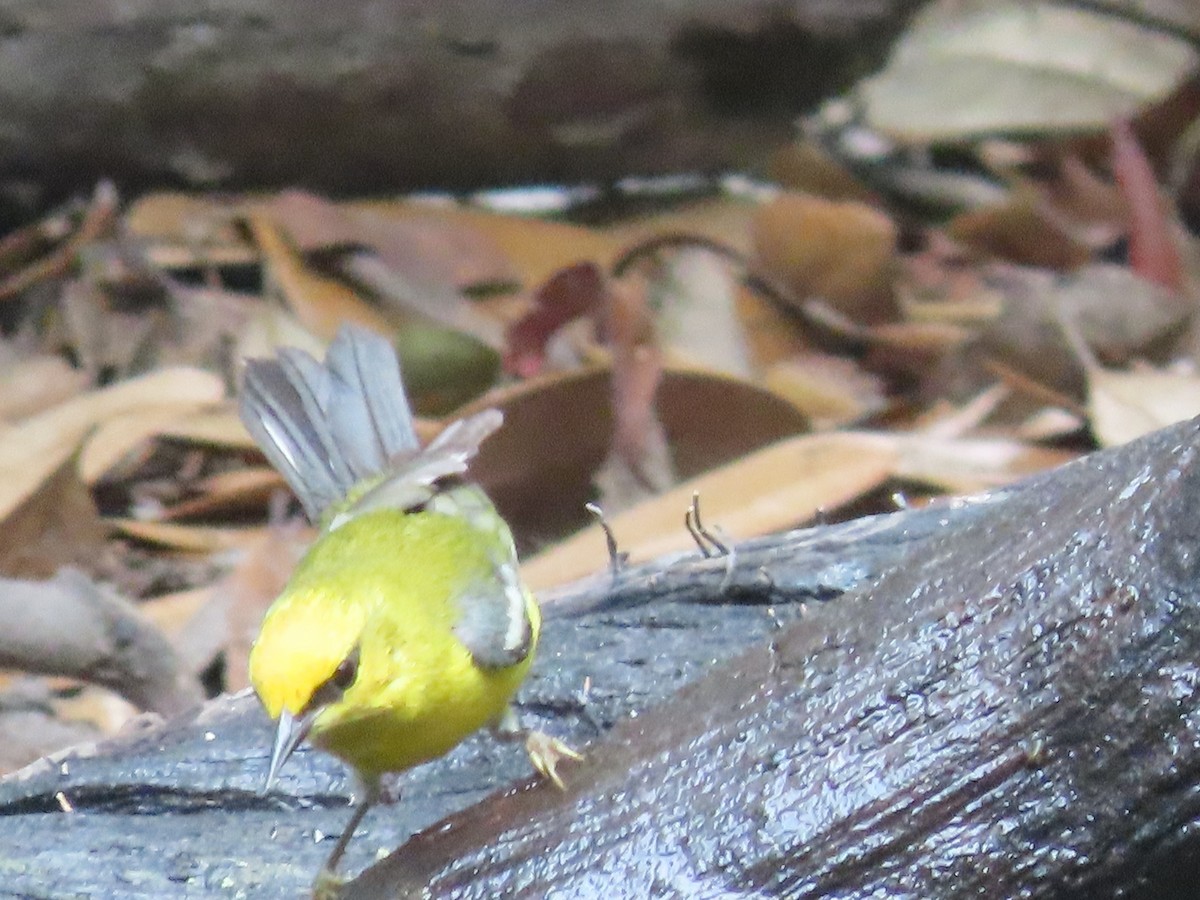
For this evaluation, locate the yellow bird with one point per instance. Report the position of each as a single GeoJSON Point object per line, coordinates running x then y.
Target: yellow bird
{"type": "Point", "coordinates": [406, 627]}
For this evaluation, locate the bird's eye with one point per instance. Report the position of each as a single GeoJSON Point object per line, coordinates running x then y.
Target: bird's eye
{"type": "Point", "coordinates": [343, 676]}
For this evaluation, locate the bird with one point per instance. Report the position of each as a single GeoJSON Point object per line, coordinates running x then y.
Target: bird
{"type": "Point", "coordinates": [405, 627]}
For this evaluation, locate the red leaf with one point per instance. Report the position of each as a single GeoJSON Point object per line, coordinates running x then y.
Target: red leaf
{"type": "Point", "coordinates": [1152, 251]}
{"type": "Point", "coordinates": [568, 294]}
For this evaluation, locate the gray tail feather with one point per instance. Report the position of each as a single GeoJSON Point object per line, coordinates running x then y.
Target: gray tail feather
{"type": "Point", "coordinates": [327, 427]}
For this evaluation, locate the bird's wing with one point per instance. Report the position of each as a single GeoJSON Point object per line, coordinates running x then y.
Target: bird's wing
{"type": "Point", "coordinates": [494, 610]}
{"type": "Point", "coordinates": [414, 480]}
{"type": "Point", "coordinates": [328, 427]}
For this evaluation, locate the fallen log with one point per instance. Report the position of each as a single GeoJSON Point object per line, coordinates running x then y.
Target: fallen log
{"type": "Point", "coordinates": [362, 96]}
{"type": "Point", "coordinates": [992, 697]}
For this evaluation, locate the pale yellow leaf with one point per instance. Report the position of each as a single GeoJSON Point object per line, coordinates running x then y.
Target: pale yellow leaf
{"type": "Point", "coordinates": [778, 487]}
{"type": "Point", "coordinates": [1125, 405]}
{"type": "Point", "coordinates": [31, 450]}
{"type": "Point", "coordinates": [187, 538]}
{"type": "Point", "coordinates": [218, 427]}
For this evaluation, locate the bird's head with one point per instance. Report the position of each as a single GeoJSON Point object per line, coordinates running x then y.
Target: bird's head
{"type": "Point", "coordinates": [305, 660]}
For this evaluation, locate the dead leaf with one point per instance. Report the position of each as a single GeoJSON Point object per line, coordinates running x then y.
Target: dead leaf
{"type": "Point", "coordinates": [1153, 254]}
{"type": "Point", "coordinates": [570, 293]}
{"type": "Point", "coordinates": [31, 450]}
{"type": "Point", "coordinates": [964, 70]}
{"type": "Point", "coordinates": [320, 303]}
{"type": "Point", "coordinates": [1123, 406]}
{"type": "Point", "coordinates": [805, 166]}
{"type": "Point", "coordinates": [639, 461]}
{"type": "Point", "coordinates": [34, 383]}
{"type": "Point", "coordinates": [218, 426]}
{"type": "Point", "coordinates": [121, 435]}
{"type": "Point", "coordinates": [842, 253]}
{"type": "Point", "coordinates": [1021, 230]}
{"type": "Point", "coordinates": [558, 430]}
{"type": "Point", "coordinates": [55, 526]}
{"type": "Point", "coordinates": [774, 488]}
{"type": "Point", "coordinates": [829, 390]}
{"type": "Point", "coordinates": [228, 492]}
{"type": "Point", "coordinates": [187, 231]}
{"type": "Point", "coordinates": [185, 538]}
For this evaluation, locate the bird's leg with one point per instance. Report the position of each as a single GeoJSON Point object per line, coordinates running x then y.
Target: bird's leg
{"type": "Point", "coordinates": [328, 885]}
{"type": "Point", "coordinates": [545, 752]}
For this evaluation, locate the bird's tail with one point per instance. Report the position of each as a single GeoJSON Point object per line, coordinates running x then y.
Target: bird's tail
{"type": "Point", "coordinates": [333, 428]}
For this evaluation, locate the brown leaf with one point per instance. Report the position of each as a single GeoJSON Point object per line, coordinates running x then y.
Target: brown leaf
{"type": "Point", "coordinates": [227, 493]}
{"type": "Point", "coordinates": [55, 526]}
{"type": "Point", "coordinates": [1021, 230]}
{"type": "Point", "coordinates": [558, 431]}
{"type": "Point", "coordinates": [432, 247]}
{"type": "Point", "coordinates": [640, 460]}
{"type": "Point", "coordinates": [185, 538]}
{"type": "Point", "coordinates": [34, 383]}
{"type": "Point", "coordinates": [185, 231]}
{"type": "Point", "coordinates": [843, 253]}
{"type": "Point", "coordinates": [321, 303]}
{"type": "Point", "coordinates": [829, 390]}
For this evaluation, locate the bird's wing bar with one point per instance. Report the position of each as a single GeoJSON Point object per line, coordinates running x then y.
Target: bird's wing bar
{"type": "Point", "coordinates": [415, 479]}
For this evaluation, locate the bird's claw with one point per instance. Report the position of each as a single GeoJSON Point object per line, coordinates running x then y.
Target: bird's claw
{"type": "Point", "coordinates": [546, 752]}
{"type": "Point", "coordinates": [328, 885]}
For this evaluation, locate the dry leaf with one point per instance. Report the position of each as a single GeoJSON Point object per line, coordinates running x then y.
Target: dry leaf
{"type": "Point", "coordinates": [842, 253]}
{"type": "Point", "coordinates": [774, 488]}
{"type": "Point", "coordinates": [218, 427]}
{"type": "Point", "coordinates": [971, 465]}
{"type": "Point", "coordinates": [829, 390]}
{"type": "Point", "coordinates": [538, 247]}
{"type": "Point", "coordinates": [227, 493]}
{"type": "Point", "coordinates": [186, 538]}
{"type": "Point", "coordinates": [431, 246]}
{"type": "Point", "coordinates": [1021, 230]}
{"type": "Point", "coordinates": [696, 299]}
{"type": "Point", "coordinates": [320, 303]}
{"type": "Point", "coordinates": [55, 526]}
{"type": "Point", "coordinates": [32, 450]}
{"type": "Point", "coordinates": [726, 221]}
{"type": "Point", "coordinates": [186, 231]}
{"type": "Point", "coordinates": [570, 293]}
{"type": "Point", "coordinates": [121, 435]}
{"type": "Point", "coordinates": [1126, 405]}
{"type": "Point", "coordinates": [32, 384]}
{"type": "Point", "coordinates": [965, 70]}
{"type": "Point", "coordinates": [558, 429]}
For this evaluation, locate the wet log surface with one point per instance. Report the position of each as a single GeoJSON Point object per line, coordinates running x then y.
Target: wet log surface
{"type": "Point", "coordinates": [992, 698]}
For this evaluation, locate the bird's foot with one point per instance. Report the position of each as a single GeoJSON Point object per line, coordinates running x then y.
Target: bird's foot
{"type": "Point", "coordinates": [328, 885]}
{"type": "Point", "coordinates": [546, 752]}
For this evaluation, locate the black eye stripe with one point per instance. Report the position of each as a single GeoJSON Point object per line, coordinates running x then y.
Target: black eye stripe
{"type": "Point", "coordinates": [331, 690]}
{"type": "Point", "coordinates": [347, 670]}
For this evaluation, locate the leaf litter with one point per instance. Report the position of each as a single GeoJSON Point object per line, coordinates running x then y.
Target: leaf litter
{"type": "Point", "coordinates": [864, 325]}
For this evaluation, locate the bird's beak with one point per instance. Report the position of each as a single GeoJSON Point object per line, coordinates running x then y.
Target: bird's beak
{"type": "Point", "coordinates": [290, 732]}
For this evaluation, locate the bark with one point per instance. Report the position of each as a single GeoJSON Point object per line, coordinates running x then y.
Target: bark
{"type": "Point", "coordinates": [366, 95]}
{"type": "Point", "coordinates": [993, 698]}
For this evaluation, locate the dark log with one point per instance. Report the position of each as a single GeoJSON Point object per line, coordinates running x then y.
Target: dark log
{"type": "Point", "coordinates": [1015, 711]}
{"type": "Point", "coordinates": [990, 698]}
{"type": "Point", "coordinates": [368, 96]}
